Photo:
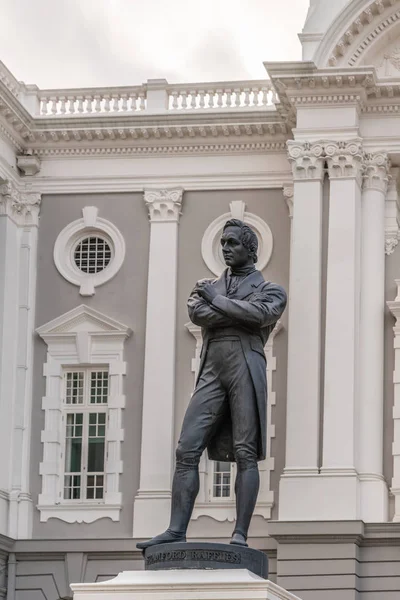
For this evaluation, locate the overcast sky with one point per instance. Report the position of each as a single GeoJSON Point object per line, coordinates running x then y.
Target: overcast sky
{"type": "Point", "coordinates": [82, 43]}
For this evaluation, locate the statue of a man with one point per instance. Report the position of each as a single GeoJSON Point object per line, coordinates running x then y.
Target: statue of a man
{"type": "Point", "coordinates": [227, 412]}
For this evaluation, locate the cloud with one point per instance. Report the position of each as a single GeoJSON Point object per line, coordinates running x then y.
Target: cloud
{"type": "Point", "coordinates": [83, 43]}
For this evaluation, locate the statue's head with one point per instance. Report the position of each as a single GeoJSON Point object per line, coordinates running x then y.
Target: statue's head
{"type": "Point", "coordinates": [239, 244]}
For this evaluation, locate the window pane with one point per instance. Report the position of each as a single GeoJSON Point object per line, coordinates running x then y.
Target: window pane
{"type": "Point", "coordinates": [222, 480]}
{"type": "Point", "coordinates": [96, 457]}
{"type": "Point", "coordinates": [73, 444]}
{"type": "Point", "coordinates": [99, 387]}
{"type": "Point", "coordinates": [74, 387]}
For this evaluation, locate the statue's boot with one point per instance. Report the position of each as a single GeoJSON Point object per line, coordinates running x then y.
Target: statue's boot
{"type": "Point", "coordinates": [246, 489]}
{"type": "Point", "coordinates": [185, 488]}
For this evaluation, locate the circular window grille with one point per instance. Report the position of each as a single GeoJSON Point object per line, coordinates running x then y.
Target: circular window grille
{"type": "Point", "coordinates": [92, 254]}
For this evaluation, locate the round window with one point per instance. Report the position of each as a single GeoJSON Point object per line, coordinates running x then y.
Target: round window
{"type": "Point", "coordinates": [92, 254]}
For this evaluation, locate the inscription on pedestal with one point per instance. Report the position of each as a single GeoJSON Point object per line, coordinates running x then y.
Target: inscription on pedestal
{"type": "Point", "coordinates": [205, 556]}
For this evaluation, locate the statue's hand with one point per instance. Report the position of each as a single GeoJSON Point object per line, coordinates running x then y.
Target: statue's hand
{"type": "Point", "coordinates": [207, 291]}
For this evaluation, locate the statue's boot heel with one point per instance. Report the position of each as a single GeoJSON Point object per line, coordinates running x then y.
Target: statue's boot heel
{"type": "Point", "coordinates": [168, 537]}
{"type": "Point", "coordinates": [238, 539]}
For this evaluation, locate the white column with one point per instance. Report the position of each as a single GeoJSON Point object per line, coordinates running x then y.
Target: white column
{"type": "Point", "coordinates": [339, 485]}
{"type": "Point", "coordinates": [304, 345]}
{"type": "Point", "coordinates": [152, 503]}
{"type": "Point", "coordinates": [374, 491]}
{"type": "Point", "coordinates": [18, 224]}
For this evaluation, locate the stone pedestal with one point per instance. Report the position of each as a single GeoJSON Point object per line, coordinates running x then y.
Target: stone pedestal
{"type": "Point", "coordinates": [183, 585]}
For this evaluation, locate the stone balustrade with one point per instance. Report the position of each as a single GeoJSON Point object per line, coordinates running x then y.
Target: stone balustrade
{"type": "Point", "coordinates": [83, 102]}
{"type": "Point", "coordinates": [234, 94]}
{"type": "Point", "coordinates": [149, 97]}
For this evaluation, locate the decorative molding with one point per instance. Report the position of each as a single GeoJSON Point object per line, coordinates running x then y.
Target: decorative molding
{"type": "Point", "coordinates": [164, 205]}
{"type": "Point", "coordinates": [81, 336]}
{"type": "Point", "coordinates": [211, 247]}
{"type": "Point", "coordinates": [28, 164]}
{"type": "Point", "coordinates": [23, 208]}
{"type": "Point", "coordinates": [226, 511]}
{"type": "Point", "coordinates": [165, 150]}
{"type": "Point", "coordinates": [376, 172]}
{"type": "Point", "coordinates": [288, 193]}
{"type": "Point", "coordinates": [90, 224]}
{"type": "Point", "coordinates": [392, 216]}
{"type": "Point", "coordinates": [345, 159]}
{"type": "Point", "coordinates": [307, 160]}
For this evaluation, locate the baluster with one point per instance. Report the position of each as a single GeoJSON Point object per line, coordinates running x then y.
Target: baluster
{"type": "Point", "coordinates": [193, 97]}
{"type": "Point", "coordinates": [63, 108]}
{"type": "Point", "coordinates": [175, 103]}
{"type": "Point", "coordinates": [124, 104]}
{"type": "Point", "coordinates": [210, 98]}
{"type": "Point", "coordinates": [43, 107]}
{"type": "Point", "coordinates": [115, 100]}
{"type": "Point", "coordinates": [79, 108]}
{"type": "Point", "coordinates": [133, 97]}
{"type": "Point", "coordinates": [142, 96]}
{"type": "Point", "coordinates": [256, 101]}
{"type": "Point", "coordinates": [106, 98]}
{"type": "Point", "coordinates": [89, 104]}
{"type": "Point", "coordinates": [274, 96]}
{"type": "Point", "coordinates": [97, 103]}
{"type": "Point", "coordinates": [184, 99]}
{"type": "Point", "coordinates": [264, 98]}
{"type": "Point", "coordinates": [202, 98]}
{"type": "Point", "coordinates": [71, 104]}
{"type": "Point", "coordinates": [246, 99]}
{"type": "Point", "coordinates": [220, 98]}
{"type": "Point", "coordinates": [228, 98]}
{"type": "Point", "coordinates": [237, 100]}
{"type": "Point", "coordinates": [53, 105]}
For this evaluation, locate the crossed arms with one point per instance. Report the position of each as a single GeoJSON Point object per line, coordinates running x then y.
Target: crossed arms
{"type": "Point", "coordinates": [264, 308]}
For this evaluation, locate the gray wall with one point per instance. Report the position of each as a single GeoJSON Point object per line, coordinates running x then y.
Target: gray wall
{"type": "Point", "coordinates": [123, 298]}
{"type": "Point", "coordinates": [199, 210]}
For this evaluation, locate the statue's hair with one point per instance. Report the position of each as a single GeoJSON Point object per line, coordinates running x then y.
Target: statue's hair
{"type": "Point", "coordinates": [248, 236]}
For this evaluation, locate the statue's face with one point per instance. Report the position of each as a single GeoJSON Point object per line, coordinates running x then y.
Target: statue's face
{"type": "Point", "coordinates": [235, 254]}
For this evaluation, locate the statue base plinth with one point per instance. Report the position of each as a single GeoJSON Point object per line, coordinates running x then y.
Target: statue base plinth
{"type": "Point", "coordinates": [205, 555]}
{"type": "Point", "coordinates": [206, 584]}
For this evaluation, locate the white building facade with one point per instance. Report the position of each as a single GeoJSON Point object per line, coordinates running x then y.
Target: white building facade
{"type": "Point", "coordinates": [112, 201]}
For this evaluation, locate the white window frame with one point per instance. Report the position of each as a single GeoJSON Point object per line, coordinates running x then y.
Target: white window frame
{"type": "Point", "coordinates": [85, 408]}
{"type": "Point", "coordinates": [83, 337]}
{"type": "Point", "coordinates": [90, 225]}
{"type": "Point", "coordinates": [224, 509]}
{"type": "Point", "coordinates": [231, 497]}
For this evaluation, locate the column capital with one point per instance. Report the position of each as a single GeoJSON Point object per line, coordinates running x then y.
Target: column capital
{"type": "Point", "coordinates": [288, 193]}
{"type": "Point", "coordinates": [22, 207]}
{"type": "Point", "coordinates": [345, 159]}
{"type": "Point", "coordinates": [164, 205]}
{"type": "Point", "coordinates": [307, 160]}
{"type": "Point", "coordinates": [376, 172]}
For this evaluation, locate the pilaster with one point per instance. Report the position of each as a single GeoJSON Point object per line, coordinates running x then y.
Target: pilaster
{"type": "Point", "coordinates": [373, 488]}
{"type": "Point", "coordinates": [394, 307]}
{"type": "Point", "coordinates": [340, 458]}
{"type": "Point", "coordinates": [19, 214]}
{"type": "Point", "coordinates": [304, 345]}
{"type": "Point", "coordinates": [152, 503]}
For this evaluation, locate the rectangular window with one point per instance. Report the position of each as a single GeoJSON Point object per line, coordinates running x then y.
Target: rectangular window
{"type": "Point", "coordinates": [85, 434]}
{"type": "Point", "coordinates": [222, 480]}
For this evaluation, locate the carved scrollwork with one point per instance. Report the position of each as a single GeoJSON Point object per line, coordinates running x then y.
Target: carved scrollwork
{"type": "Point", "coordinates": [22, 207]}
{"type": "Point", "coordinates": [345, 159]}
{"type": "Point", "coordinates": [164, 205]}
{"type": "Point", "coordinates": [307, 160]}
{"type": "Point", "coordinates": [376, 171]}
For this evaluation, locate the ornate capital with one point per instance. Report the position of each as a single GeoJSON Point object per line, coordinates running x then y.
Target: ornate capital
{"type": "Point", "coordinates": [288, 193]}
{"type": "Point", "coordinates": [376, 172]}
{"type": "Point", "coordinates": [345, 159]}
{"type": "Point", "coordinates": [391, 241]}
{"type": "Point", "coordinates": [164, 205]}
{"type": "Point", "coordinates": [307, 160]}
{"type": "Point", "coordinates": [22, 207]}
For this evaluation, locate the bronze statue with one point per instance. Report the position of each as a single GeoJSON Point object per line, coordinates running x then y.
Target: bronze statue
{"type": "Point", "coordinates": [227, 412]}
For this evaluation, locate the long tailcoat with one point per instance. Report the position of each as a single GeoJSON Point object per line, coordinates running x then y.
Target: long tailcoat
{"type": "Point", "coordinates": [251, 312]}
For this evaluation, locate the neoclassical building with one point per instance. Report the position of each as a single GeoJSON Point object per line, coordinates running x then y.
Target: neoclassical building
{"type": "Point", "coordinates": [112, 201]}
